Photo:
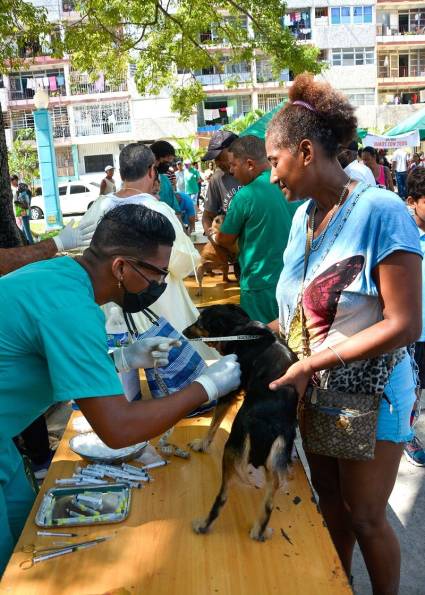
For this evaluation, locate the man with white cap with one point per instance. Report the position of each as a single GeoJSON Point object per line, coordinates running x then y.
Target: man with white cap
{"type": "Point", "coordinates": [107, 185]}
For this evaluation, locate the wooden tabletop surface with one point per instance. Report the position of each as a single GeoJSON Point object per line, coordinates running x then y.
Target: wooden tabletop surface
{"type": "Point", "coordinates": [155, 552]}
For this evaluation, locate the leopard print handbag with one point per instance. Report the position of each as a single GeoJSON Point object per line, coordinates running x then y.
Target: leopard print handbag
{"type": "Point", "coordinates": [339, 417]}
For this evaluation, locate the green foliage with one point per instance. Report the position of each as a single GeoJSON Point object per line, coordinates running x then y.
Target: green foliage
{"type": "Point", "coordinates": [23, 158]}
{"type": "Point", "coordinates": [160, 36]}
{"type": "Point", "coordinates": [186, 148]}
{"type": "Point", "coordinates": [241, 123]}
{"type": "Point", "coordinates": [20, 22]}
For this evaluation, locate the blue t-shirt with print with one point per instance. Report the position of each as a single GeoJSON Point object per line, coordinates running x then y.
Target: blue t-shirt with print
{"type": "Point", "coordinates": [340, 296]}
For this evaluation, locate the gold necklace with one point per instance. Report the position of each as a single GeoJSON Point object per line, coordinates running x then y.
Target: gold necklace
{"type": "Point", "coordinates": [333, 211]}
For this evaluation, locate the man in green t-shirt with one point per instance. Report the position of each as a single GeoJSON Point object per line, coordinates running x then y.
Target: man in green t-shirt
{"type": "Point", "coordinates": [191, 181]}
{"type": "Point", "coordinates": [260, 220]}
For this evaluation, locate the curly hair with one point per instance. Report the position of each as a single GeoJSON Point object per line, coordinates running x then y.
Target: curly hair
{"type": "Point", "coordinates": [416, 183]}
{"type": "Point", "coordinates": [323, 115]}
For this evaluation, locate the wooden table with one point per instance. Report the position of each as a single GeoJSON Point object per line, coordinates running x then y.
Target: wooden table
{"type": "Point", "coordinates": [155, 551]}
{"type": "Point", "coordinates": [214, 291]}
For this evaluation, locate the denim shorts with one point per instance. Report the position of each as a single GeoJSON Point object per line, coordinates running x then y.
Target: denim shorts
{"type": "Point", "coordinates": [394, 419]}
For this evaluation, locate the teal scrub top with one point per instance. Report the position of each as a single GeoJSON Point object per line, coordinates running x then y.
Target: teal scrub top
{"type": "Point", "coordinates": [53, 344]}
{"type": "Point", "coordinates": [166, 193]}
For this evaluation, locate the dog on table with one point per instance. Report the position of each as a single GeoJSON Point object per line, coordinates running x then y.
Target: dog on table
{"type": "Point", "coordinates": [213, 255]}
{"type": "Point", "coordinates": [263, 430]}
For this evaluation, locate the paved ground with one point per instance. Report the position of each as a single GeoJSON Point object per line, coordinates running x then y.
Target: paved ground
{"type": "Point", "coordinates": [406, 511]}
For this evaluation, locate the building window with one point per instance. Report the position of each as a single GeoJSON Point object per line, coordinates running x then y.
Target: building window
{"type": "Point", "coordinates": [344, 15]}
{"type": "Point", "coordinates": [97, 163]}
{"type": "Point", "coordinates": [102, 118]}
{"type": "Point", "coordinates": [362, 14]}
{"type": "Point", "coordinates": [25, 119]}
{"type": "Point", "coordinates": [321, 12]}
{"type": "Point", "coordinates": [358, 97]}
{"type": "Point", "coordinates": [340, 15]}
{"type": "Point", "coordinates": [353, 56]}
{"type": "Point", "coordinates": [23, 85]}
{"type": "Point", "coordinates": [270, 101]}
{"type": "Point", "coordinates": [64, 162]}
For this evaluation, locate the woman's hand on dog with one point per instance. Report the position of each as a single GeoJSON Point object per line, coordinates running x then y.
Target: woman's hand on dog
{"type": "Point", "coordinates": [298, 376]}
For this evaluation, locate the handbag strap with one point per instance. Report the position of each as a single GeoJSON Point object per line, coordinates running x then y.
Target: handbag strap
{"type": "Point", "coordinates": [305, 339]}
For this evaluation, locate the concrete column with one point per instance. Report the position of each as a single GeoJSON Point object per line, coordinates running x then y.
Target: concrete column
{"type": "Point", "coordinates": [48, 172]}
{"type": "Point", "coordinates": [75, 161]}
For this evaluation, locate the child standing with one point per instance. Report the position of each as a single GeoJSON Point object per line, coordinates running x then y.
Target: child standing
{"type": "Point", "coordinates": [414, 450]}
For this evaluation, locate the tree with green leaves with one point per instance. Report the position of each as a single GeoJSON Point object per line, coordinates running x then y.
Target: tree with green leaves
{"type": "Point", "coordinates": [168, 42]}
{"type": "Point", "coordinates": [20, 23]}
{"type": "Point", "coordinates": [186, 148]}
{"type": "Point", "coordinates": [242, 123]}
{"type": "Point", "coordinates": [23, 158]}
{"type": "Point", "coordinates": [163, 38]}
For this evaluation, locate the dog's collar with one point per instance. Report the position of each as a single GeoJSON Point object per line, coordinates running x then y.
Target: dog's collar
{"type": "Point", "coordinates": [230, 338]}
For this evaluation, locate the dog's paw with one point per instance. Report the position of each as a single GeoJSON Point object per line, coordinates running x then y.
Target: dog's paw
{"type": "Point", "coordinates": [199, 445]}
{"type": "Point", "coordinates": [256, 534]}
{"type": "Point", "coordinates": [200, 526]}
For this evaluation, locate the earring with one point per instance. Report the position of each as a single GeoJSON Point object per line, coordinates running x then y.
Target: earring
{"type": "Point", "coordinates": [119, 284]}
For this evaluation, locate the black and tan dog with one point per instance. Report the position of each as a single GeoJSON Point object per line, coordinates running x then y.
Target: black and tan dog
{"type": "Point", "coordinates": [263, 431]}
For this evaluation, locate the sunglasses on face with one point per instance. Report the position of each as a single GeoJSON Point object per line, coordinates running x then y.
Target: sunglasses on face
{"type": "Point", "coordinates": [148, 266]}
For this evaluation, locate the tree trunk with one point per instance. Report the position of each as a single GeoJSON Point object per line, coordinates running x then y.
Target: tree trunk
{"type": "Point", "coordinates": [9, 232]}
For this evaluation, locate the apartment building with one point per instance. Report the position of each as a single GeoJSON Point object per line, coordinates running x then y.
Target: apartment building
{"type": "Point", "coordinates": [373, 50]}
{"type": "Point", "coordinates": [345, 32]}
{"type": "Point", "coordinates": [401, 52]}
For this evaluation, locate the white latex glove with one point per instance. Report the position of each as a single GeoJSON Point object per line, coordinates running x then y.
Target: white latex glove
{"type": "Point", "coordinates": [222, 377]}
{"type": "Point", "coordinates": [145, 353]}
{"type": "Point", "coordinates": [75, 237]}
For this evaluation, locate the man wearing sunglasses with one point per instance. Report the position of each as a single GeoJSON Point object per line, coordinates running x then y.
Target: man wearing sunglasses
{"type": "Point", "coordinates": [53, 348]}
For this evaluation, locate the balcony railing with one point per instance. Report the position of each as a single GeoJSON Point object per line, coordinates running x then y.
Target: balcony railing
{"type": "Point", "coordinates": [28, 94]}
{"type": "Point", "coordinates": [385, 31]}
{"type": "Point", "coordinates": [301, 34]}
{"type": "Point", "coordinates": [222, 78]}
{"type": "Point", "coordinates": [90, 129]}
{"type": "Point", "coordinates": [401, 72]}
{"type": "Point", "coordinates": [80, 85]}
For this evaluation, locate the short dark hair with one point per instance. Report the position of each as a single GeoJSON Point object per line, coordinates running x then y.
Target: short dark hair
{"type": "Point", "coordinates": [315, 111]}
{"type": "Point", "coordinates": [135, 161]}
{"type": "Point", "coordinates": [162, 148]}
{"type": "Point", "coordinates": [249, 147]}
{"type": "Point", "coordinates": [131, 228]}
{"type": "Point", "coordinates": [14, 178]}
{"type": "Point", "coordinates": [371, 151]}
{"type": "Point", "coordinates": [416, 183]}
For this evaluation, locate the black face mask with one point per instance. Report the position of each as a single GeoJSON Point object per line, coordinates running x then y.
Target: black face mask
{"type": "Point", "coordinates": [163, 167]}
{"type": "Point", "coordinates": [136, 302]}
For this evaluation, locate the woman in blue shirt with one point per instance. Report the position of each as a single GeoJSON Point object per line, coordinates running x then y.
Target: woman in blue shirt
{"type": "Point", "coordinates": [361, 296]}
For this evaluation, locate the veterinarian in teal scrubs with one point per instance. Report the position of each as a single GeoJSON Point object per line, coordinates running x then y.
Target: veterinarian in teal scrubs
{"type": "Point", "coordinates": [260, 219]}
{"type": "Point", "coordinates": [53, 348]}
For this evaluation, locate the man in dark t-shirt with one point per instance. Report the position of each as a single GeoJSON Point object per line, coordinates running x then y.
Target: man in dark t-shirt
{"type": "Point", "coordinates": [222, 186]}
